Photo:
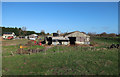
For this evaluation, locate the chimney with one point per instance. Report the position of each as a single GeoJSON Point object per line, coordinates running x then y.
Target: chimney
{"type": "Point", "coordinates": [58, 32]}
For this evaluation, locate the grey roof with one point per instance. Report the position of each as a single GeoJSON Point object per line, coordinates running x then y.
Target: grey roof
{"type": "Point", "coordinates": [60, 38]}
{"type": "Point", "coordinates": [33, 35]}
{"type": "Point", "coordinates": [79, 34]}
{"type": "Point", "coordinates": [8, 32]}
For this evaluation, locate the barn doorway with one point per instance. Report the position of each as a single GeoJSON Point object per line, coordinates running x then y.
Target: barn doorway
{"type": "Point", "coordinates": [60, 42]}
{"type": "Point", "coordinates": [49, 40]}
{"type": "Point", "coordinates": [72, 40]}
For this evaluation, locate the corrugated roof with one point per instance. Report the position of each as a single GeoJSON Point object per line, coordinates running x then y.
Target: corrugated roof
{"type": "Point", "coordinates": [59, 38]}
{"type": "Point", "coordinates": [74, 32]}
{"type": "Point", "coordinates": [33, 35]}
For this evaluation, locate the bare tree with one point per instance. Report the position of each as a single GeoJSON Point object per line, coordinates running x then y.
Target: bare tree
{"type": "Point", "coordinates": [24, 30]}
{"type": "Point", "coordinates": [112, 35]}
{"type": "Point", "coordinates": [91, 33]}
{"type": "Point", "coordinates": [104, 34]}
{"type": "Point", "coordinates": [42, 32]}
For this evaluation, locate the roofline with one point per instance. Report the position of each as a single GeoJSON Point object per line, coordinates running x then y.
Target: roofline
{"type": "Point", "coordinates": [74, 32]}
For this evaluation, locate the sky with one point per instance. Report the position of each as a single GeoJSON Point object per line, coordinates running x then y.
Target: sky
{"type": "Point", "coordinates": [86, 17]}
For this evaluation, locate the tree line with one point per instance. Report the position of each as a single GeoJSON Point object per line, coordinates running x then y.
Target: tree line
{"type": "Point", "coordinates": [104, 34]}
{"type": "Point", "coordinates": [20, 31]}
{"type": "Point", "coordinates": [23, 32]}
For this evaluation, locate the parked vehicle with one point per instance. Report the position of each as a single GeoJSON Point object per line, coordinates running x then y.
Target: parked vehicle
{"type": "Point", "coordinates": [9, 38]}
{"type": "Point", "coordinates": [9, 35]}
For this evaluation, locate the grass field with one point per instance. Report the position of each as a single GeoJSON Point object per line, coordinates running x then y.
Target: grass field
{"type": "Point", "coordinates": [14, 42]}
{"type": "Point", "coordinates": [63, 60]}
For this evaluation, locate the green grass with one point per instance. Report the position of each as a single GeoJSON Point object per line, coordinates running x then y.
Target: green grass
{"type": "Point", "coordinates": [35, 47]}
{"type": "Point", "coordinates": [62, 60]}
{"type": "Point", "coordinates": [14, 42]}
{"type": "Point", "coordinates": [106, 40]}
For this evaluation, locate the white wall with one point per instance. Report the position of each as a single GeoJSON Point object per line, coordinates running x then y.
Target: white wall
{"type": "Point", "coordinates": [78, 42]}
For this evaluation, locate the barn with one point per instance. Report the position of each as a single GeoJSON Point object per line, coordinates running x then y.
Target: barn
{"type": "Point", "coordinates": [75, 37]}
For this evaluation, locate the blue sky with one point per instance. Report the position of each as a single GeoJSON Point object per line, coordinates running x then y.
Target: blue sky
{"type": "Point", "coordinates": [64, 16]}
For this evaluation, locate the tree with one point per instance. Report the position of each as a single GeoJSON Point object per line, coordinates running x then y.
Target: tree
{"type": "Point", "coordinates": [24, 30]}
{"type": "Point", "coordinates": [30, 32]}
{"type": "Point", "coordinates": [47, 33]}
{"type": "Point", "coordinates": [104, 34]}
{"type": "Point", "coordinates": [91, 33]}
{"type": "Point", "coordinates": [42, 32]}
{"type": "Point", "coordinates": [112, 35]}
{"type": "Point", "coordinates": [17, 31]}
{"type": "Point", "coordinates": [118, 35]}
{"type": "Point", "coordinates": [10, 29]}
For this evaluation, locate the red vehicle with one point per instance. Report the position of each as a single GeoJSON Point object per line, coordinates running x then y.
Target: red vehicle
{"type": "Point", "coordinates": [10, 37]}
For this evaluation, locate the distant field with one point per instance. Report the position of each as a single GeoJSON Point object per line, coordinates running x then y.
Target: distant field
{"type": "Point", "coordinates": [106, 40]}
{"type": "Point", "coordinates": [63, 60]}
{"type": "Point", "coordinates": [13, 42]}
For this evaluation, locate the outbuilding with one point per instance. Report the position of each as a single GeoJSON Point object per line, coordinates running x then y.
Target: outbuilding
{"type": "Point", "coordinates": [33, 37]}
{"type": "Point", "coordinates": [8, 35]}
{"type": "Point", "coordinates": [75, 37]}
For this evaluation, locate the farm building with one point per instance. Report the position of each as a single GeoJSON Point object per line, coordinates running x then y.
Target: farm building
{"type": "Point", "coordinates": [8, 35]}
{"type": "Point", "coordinates": [22, 37]}
{"type": "Point", "coordinates": [33, 37]}
{"type": "Point", "coordinates": [56, 40]}
{"type": "Point", "coordinates": [75, 37]}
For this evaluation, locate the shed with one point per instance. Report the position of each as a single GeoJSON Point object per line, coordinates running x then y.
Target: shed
{"type": "Point", "coordinates": [9, 34]}
{"type": "Point", "coordinates": [59, 40]}
{"type": "Point", "coordinates": [33, 37]}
